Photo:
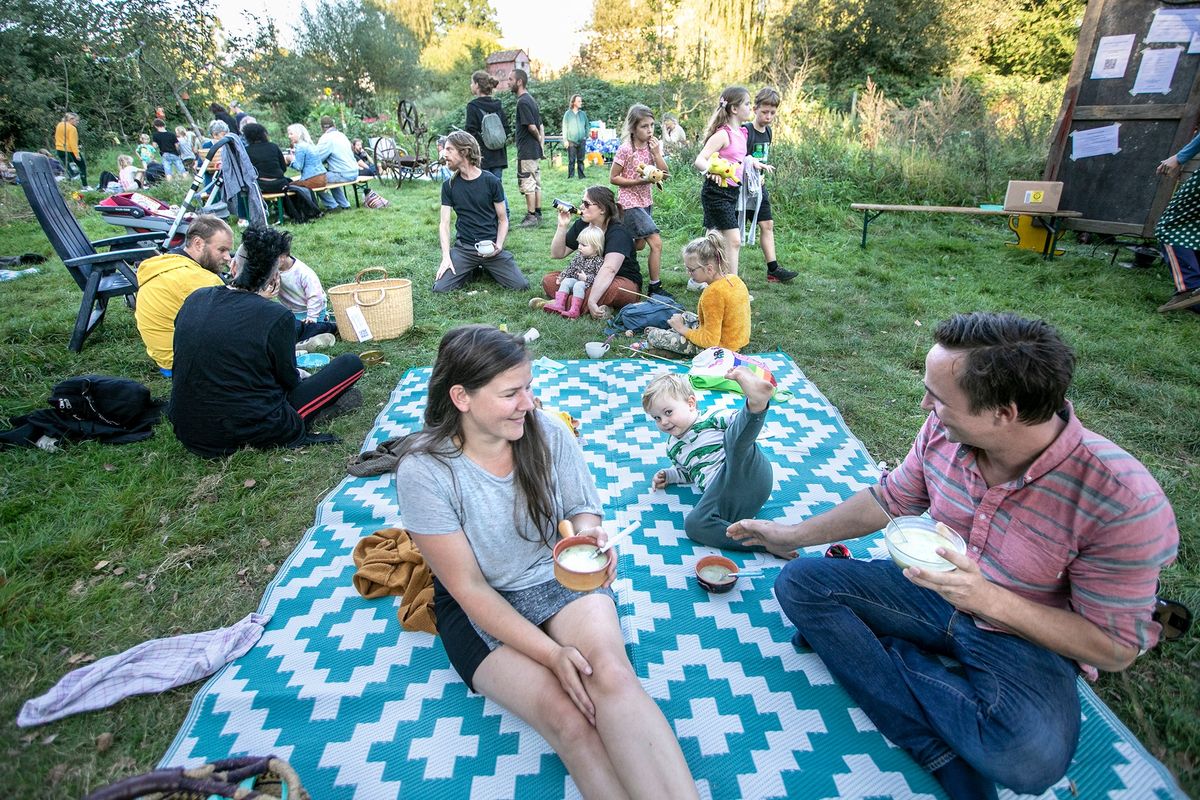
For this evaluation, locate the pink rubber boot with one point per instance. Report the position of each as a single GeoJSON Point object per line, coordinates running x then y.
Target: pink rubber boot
{"type": "Point", "coordinates": [575, 309]}
{"type": "Point", "coordinates": [559, 306]}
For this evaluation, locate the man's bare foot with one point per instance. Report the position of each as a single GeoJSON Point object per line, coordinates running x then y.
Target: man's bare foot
{"type": "Point", "coordinates": [758, 391]}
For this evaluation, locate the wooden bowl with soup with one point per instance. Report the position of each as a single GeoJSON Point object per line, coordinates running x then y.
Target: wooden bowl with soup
{"type": "Point", "coordinates": [716, 574]}
{"type": "Point", "coordinates": [579, 565]}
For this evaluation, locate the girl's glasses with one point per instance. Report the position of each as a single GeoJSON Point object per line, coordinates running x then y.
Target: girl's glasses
{"type": "Point", "coordinates": [586, 204]}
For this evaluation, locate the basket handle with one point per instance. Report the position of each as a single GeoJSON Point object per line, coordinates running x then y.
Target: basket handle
{"type": "Point", "coordinates": [382, 292]}
{"type": "Point", "coordinates": [358, 278]}
{"type": "Point", "coordinates": [382, 296]}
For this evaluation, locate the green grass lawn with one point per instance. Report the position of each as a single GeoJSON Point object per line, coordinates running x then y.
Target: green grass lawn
{"type": "Point", "coordinates": [190, 544]}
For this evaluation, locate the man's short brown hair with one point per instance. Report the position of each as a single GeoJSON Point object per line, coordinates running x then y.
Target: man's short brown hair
{"type": "Point", "coordinates": [205, 227]}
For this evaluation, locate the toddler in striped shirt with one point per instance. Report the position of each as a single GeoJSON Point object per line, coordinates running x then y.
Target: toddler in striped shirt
{"type": "Point", "coordinates": [717, 452]}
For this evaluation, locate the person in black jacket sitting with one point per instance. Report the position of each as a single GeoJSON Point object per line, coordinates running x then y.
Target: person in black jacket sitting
{"type": "Point", "coordinates": [267, 158]}
{"type": "Point", "coordinates": [235, 382]}
{"type": "Point", "coordinates": [299, 203]}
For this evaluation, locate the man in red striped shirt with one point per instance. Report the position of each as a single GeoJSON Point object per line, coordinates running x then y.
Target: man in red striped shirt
{"type": "Point", "coordinates": [1066, 534]}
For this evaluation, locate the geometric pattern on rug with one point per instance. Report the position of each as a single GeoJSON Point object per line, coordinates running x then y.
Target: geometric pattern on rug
{"type": "Point", "coordinates": [365, 710]}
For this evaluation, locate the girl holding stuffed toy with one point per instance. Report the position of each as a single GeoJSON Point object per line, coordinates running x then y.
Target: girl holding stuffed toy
{"type": "Point", "coordinates": [722, 160]}
{"type": "Point", "coordinates": [723, 317]}
{"type": "Point", "coordinates": [637, 164]}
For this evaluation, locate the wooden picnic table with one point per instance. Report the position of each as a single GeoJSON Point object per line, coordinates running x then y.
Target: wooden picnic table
{"type": "Point", "coordinates": [1048, 219]}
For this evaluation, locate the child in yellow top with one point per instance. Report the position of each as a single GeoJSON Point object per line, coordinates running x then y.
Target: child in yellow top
{"type": "Point", "coordinates": [723, 316]}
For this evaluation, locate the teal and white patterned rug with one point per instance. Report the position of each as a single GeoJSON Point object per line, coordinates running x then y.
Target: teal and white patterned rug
{"type": "Point", "coordinates": [367, 711]}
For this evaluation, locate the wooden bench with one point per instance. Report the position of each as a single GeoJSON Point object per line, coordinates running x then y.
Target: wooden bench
{"type": "Point", "coordinates": [1027, 237]}
{"type": "Point", "coordinates": [276, 198]}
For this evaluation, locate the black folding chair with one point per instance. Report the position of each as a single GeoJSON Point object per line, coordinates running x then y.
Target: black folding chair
{"type": "Point", "coordinates": [100, 276]}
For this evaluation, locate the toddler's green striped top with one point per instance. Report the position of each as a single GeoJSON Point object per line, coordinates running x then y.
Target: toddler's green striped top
{"type": "Point", "coordinates": [700, 452]}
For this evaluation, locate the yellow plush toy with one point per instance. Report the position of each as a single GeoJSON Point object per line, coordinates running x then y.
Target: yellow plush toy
{"type": "Point", "coordinates": [725, 169]}
{"type": "Point", "coordinates": [649, 172]}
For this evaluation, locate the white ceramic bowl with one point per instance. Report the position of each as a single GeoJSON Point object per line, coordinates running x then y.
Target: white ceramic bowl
{"type": "Point", "coordinates": [916, 543]}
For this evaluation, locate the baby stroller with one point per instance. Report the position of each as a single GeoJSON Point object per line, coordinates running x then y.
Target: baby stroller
{"type": "Point", "coordinates": [166, 226]}
{"type": "Point", "coordinates": [143, 214]}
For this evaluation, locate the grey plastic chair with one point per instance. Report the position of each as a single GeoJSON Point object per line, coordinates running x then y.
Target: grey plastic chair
{"type": "Point", "coordinates": [100, 276]}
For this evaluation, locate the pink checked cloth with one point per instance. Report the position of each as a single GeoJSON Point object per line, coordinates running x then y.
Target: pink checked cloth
{"type": "Point", "coordinates": [148, 668]}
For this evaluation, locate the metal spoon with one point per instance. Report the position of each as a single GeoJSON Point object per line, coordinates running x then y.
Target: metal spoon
{"type": "Point", "coordinates": [891, 519]}
{"type": "Point", "coordinates": [630, 528]}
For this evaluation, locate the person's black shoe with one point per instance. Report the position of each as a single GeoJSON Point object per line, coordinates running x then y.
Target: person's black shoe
{"type": "Point", "coordinates": [351, 399]}
{"type": "Point", "coordinates": [657, 288]}
{"type": "Point", "coordinates": [781, 275]}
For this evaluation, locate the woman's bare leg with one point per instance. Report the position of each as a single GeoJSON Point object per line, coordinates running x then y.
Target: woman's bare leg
{"type": "Point", "coordinates": [533, 693]}
{"type": "Point", "coordinates": [640, 742]}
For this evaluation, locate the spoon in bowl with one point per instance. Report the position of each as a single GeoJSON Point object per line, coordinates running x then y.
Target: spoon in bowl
{"type": "Point", "coordinates": [892, 520]}
{"type": "Point", "coordinates": [630, 528]}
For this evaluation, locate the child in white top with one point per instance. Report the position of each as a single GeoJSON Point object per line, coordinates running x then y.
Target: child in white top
{"type": "Point", "coordinates": [576, 279]}
{"type": "Point", "coordinates": [301, 292]}
{"type": "Point", "coordinates": [128, 175]}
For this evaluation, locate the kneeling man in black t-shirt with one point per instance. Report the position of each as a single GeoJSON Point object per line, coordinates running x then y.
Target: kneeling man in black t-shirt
{"type": "Point", "coordinates": [481, 221]}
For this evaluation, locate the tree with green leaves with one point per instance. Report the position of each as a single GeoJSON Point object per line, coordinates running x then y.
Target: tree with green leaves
{"type": "Point", "coordinates": [358, 49]}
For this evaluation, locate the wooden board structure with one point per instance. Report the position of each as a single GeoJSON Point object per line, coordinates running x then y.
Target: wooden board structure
{"type": "Point", "coordinates": [1119, 193]}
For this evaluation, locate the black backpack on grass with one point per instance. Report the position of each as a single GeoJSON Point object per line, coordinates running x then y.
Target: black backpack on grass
{"type": "Point", "coordinates": [100, 407]}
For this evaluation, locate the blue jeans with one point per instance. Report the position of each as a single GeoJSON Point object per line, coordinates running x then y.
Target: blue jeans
{"type": "Point", "coordinates": [1009, 708]}
{"type": "Point", "coordinates": [335, 198]}
{"type": "Point", "coordinates": [173, 164]}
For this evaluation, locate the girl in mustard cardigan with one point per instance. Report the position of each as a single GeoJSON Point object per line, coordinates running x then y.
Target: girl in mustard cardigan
{"type": "Point", "coordinates": [724, 307]}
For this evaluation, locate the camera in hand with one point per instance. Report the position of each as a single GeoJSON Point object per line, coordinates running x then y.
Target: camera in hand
{"type": "Point", "coordinates": [563, 205]}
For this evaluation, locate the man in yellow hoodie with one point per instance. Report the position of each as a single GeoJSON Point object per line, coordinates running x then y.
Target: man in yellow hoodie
{"type": "Point", "coordinates": [165, 281]}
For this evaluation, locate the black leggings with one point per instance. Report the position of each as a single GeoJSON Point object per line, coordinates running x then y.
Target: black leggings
{"type": "Point", "coordinates": [307, 330]}
{"type": "Point", "coordinates": [67, 158]}
{"type": "Point", "coordinates": [326, 386]}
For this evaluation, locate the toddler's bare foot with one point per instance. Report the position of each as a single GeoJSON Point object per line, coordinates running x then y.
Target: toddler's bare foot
{"type": "Point", "coordinates": [758, 391]}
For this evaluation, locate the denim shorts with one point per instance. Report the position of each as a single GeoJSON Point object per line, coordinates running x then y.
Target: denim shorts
{"type": "Point", "coordinates": [639, 221]}
{"type": "Point", "coordinates": [467, 645]}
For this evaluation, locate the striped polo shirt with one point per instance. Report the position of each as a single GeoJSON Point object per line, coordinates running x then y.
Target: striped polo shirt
{"type": "Point", "coordinates": [699, 453]}
{"type": "Point", "coordinates": [1086, 528]}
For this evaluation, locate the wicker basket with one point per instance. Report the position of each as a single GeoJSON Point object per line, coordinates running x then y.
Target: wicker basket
{"type": "Point", "coordinates": [386, 304]}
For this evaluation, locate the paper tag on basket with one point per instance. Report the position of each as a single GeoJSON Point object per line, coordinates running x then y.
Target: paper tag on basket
{"type": "Point", "coordinates": [357, 321]}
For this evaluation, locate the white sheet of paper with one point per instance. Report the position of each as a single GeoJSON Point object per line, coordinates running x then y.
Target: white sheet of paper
{"type": "Point", "coordinates": [1156, 71]}
{"type": "Point", "coordinates": [1194, 44]}
{"type": "Point", "coordinates": [1174, 25]}
{"type": "Point", "coordinates": [1112, 56]}
{"type": "Point", "coordinates": [1095, 142]}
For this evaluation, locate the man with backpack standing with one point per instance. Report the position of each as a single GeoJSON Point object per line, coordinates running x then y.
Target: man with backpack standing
{"type": "Point", "coordinates": [530, 139]}
{"type": "Point", "coordinates": [574, 133]}
{"type": "Point", "coordinates": [487, 122]}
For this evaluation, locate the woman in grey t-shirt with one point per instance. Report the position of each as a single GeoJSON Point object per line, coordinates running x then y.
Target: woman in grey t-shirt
{"type": "Point", "coordinates": [481, 490]}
